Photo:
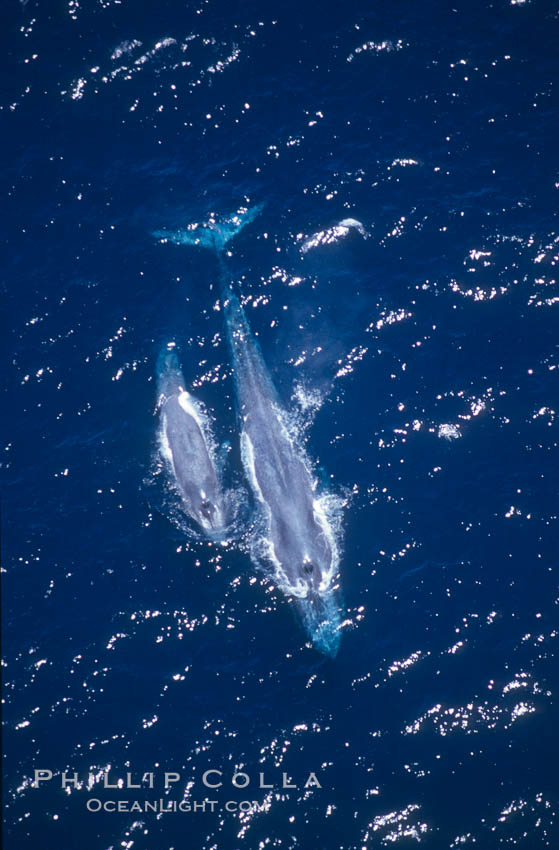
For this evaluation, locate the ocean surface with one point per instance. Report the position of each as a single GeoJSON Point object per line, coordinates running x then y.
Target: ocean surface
{"type": "Point", "coordinates": [419, 345]}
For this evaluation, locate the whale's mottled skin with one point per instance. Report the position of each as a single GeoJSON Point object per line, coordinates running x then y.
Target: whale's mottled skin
{"type": "Point", "coordinates": [299, 543]}
{"type": "Point", "coordinates": [186, 446]}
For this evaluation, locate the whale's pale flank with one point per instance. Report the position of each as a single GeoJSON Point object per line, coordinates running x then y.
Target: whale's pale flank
{"type": "Point", "coordinates": [187, 446]}
{"type": "Point", "coordinates": [294, 539]}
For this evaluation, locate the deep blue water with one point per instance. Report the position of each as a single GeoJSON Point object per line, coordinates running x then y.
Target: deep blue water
{"type": "Point", "coordinates": [431, 346]}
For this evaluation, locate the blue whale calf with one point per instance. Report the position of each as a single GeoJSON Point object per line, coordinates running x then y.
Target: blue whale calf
{"type": "Point", "coordinates": [187, 445]}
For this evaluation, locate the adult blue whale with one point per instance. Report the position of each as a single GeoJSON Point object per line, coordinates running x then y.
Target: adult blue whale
{"type": "Point", "coordinates": [186, 444]}
{"type": "Point", "coordinates": [294, 538]}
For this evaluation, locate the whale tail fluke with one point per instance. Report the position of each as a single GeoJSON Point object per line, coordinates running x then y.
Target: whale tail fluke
{"type": "Point", "coordinates": [214, 233]}
{"type": "Point", "coordinates": [169, 374]}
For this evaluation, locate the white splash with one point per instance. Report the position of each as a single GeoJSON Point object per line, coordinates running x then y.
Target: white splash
{"type": "Point", "coordinates": [332, 234]}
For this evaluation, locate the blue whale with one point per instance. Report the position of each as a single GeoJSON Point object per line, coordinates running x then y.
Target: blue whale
{"type": "Point", "coordinates": [295, 541]}
{"type": "Point", "coordinates": [296, 538]}
{"type": "Point", "coordinates": [186, 444]}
